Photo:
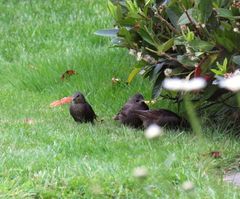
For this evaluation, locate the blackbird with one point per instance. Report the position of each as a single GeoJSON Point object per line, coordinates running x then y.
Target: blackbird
{"type": "Point", "coordinates": [126, 116]}
{"type": "Point", "coordinates": [81, 110]}
{"type": "Point", "coordinates": [161, 117]}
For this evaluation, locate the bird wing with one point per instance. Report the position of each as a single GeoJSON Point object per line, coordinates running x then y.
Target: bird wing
{"type": "Point", "coordinates": [75, 112]}
{"type": "Point", "coordinates": [161, 117]}
{"type": "Point", "coordinates": [122, 111]}
{"type": "Point", "coordinates": [92, 111]}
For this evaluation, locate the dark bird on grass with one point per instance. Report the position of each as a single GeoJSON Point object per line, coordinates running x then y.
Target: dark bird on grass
{"type": "Point", "coordinates": [81, 110]}
{"type": "Point", "coordinates": [126, 115]}
{"type": "Point", "coordinates": [161, 117]}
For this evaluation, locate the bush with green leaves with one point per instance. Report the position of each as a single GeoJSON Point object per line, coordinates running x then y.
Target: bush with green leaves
{"type": "Point", "coordinates": [181, 39]}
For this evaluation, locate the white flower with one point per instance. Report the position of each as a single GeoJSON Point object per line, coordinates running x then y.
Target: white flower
{"type": "Point", "coordinates": [142, 72]}
{"type": "Point", "coordinates": [174, 47]}
{"type": "Point", "coordinates": [140, 172]}
{"type": "Point", "coordinates": [188, 186]}
{"type": "Point", "coordinates": [232, 83]}
{"type": "Point", "coordinates": [177, 84]}
{"type": "Point", "coordinates": [168, 72]}
{"type": "Point", "coordinates": [236, 72]}
{"type": "Point", "coordinates": [132, 52]}
{"type": "Point", "coordinates": [188, 50]}
{"type": "Point", "coordinates": [149, 59]}
{"type": "Point", "coordinates": [235, 30]}
{"type": "Point", "coordinates": [153, 131]}
{"type": "Point", "coordinates": [139, 56]}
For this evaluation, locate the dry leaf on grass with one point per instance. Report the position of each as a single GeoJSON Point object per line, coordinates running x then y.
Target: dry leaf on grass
{"type": "Point", "coordinates": [29, 121]}
{"type": "Point", "coordinates": [67, 74]}
{"type": "Point", "coordinates": [215, 154]}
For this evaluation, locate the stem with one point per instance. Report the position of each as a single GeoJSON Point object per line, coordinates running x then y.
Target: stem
{"type": "Point", "coordinates": [238, 99]}
{"type": "Point", "coordinates": [167, 23]}
{"type": "Point", "coordinates": [191, 21]}
{"type": "Point", "coordinates": [192, 115]}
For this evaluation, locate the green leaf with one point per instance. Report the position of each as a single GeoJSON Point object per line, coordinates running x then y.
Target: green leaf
{"type": "Point", "coordinates": [236, 59]}
{"type": "Point", "coordinates": [189, 36]}
{"type": "Point", "coordinates": [149, 36]}
{"type": "Point", "coordinates": [198, 54]}
{"type": "Point", "coordinates": [107, 32]}
{"type": "Point", "coordinates": [209, 62]}
{"type": "Point", "coordinates": [133, 73]}
{"type": "Point", "coordinates": [225, 13]}
{"type": "Point", "coordinates": [147, 2]}
{"type": "Point", "coordinates": [179, 40]}
{"type": "Point", "coordinates": [205, 10]}
{"type": "Point", "coordinates": [118, 42]}
{"type": "Point", "coordinates": [184, 59]}
{"type": "Point", "coordinates": [156, 71]}
{"type": "Point", "coordinates": [224, 66]}
{"type": "Point", "coordinates": [173, 17]}
{"type": "Point", "coordinates": [157, 87]}
{"type": "Point", "coordinates": [200, 45]}
{"type": "Point", "coordinates": [123, 32]}
{"type": "Point", "coordinates": [166, 46]}
{"type": "Point", "coordinates": [225, 42]}
{"type": "Point", "coordinates": [115, 11]}
{"type": "Point", "coordinates": [183, 20]}
{"type": "Point", "coordinates": [217, 72]}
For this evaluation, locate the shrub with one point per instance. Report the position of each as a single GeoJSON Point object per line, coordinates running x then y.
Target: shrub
{"type": "Point", "coordinates": [184, 39]}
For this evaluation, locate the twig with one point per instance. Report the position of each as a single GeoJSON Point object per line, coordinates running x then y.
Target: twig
{"type": "Point", "coordinates": [167, 23]}
{"type": "Point", "coordinates": [191, 21]}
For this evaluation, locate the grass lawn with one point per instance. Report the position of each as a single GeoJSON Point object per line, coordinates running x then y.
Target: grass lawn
{"type": "Point", "coordinates": [53, 157]}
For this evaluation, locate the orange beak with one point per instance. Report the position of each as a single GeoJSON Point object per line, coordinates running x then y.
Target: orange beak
{"type": "Point", "coordinates": [65, 100]}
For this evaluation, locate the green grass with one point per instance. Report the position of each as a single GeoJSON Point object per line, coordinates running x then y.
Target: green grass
{"type": "Point", "coordinates": [56, 158]}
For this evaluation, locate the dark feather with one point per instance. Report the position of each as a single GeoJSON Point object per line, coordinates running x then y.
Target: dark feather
{"type": "Point", "coordinates": [161, 117]}
{"type": "Point", "coordinates": [81, 110]}
{"type": "Point", "coordinates": [126, 116]}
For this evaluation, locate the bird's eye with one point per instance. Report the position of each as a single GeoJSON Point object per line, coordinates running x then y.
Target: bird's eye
{"type": "Point", "coordinates": [137, 100]}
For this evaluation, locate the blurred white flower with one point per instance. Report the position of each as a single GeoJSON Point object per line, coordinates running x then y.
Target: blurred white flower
{"type": "Point", "coordinates": [235, 30]}
{"type": "Point", "coordinates": [177, 84]}
{"type": "Point", "coordinates": [217, 79]}
{"type": "Point", "coordinates": [188, 50]}
{"type": "Point", "coordinates": [188, 186]}
{"type": "Point", "coordinates": [149, 59]}
{"type": "Point", "coordinates": [139, 56]}
{"type": "Point", "coordinates": [153, 131]}
{"type": "Point", "coordinates": [236, 72]}
{"type": "Point", "coordinates": [140, 172]}
{"type": "Point", "coordinates": [132, 52]}
{"type": "Point", "coordinates": [232, 83]}
{"type": "Point", "coordinates": [142, 72]}
{"type": "Point", "coordinates": [174, 47]}
{"type": "Point", "coordinates": [168, 72]}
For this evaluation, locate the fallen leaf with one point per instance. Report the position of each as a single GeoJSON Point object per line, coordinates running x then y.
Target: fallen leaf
{"type": "Point", "coordinates": [65, 100]}
{"type": "Point", "coordinates": [115, 80]}
{"type": "Point", "coordinates": [215, 154]}
{"type": "Point", "coordinates": [29, 121]}
{"type": "Point", "coordinates": [67, 74]}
